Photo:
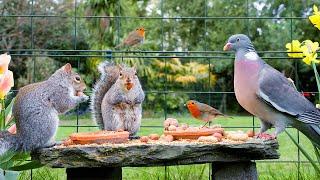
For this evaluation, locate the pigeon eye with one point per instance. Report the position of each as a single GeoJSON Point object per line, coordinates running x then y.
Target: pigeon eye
{"type": "Point", "coordinates": [238, 39]}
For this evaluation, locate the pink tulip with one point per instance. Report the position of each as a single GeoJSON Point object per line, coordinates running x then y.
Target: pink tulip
{"type": "Point", "coordinates": [13, 129]}
{"type": "Point", "coordinates": [4, 62]}
{"type": "Point", "coordinates": [6, 83]}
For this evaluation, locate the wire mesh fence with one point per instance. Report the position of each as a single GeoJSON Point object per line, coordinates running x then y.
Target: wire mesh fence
{"type": "Point", "coordinates": [217, 97]}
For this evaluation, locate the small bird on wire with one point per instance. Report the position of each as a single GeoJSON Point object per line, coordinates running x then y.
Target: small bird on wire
{"type": "Point", "coordinates": [134, 38]}
{"type": "Point", "coordinates": [203, 111]}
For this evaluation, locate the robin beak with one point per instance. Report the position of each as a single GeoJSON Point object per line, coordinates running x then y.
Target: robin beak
{"type": "Point", "coordinates": [227, 47]}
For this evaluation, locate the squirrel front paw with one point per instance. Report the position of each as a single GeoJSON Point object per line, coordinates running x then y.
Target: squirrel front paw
{"type": "Point", "coordinates": [129, 102]}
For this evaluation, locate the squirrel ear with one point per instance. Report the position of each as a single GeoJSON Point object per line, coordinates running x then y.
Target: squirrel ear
{"type": "Point", "coordinates": [67, 68]}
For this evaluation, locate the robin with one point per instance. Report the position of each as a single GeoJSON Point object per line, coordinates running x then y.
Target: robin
{"type": "Point", "coordinates": [134, 38]}
{"type": "Point", "coordinates": [202, 111]}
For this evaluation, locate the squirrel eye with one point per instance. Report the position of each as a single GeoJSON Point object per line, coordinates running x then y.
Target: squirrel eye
{"type": "Point", "coordinates": [78, 78]}
{"type": "Point", "coordinates": [120, 74]}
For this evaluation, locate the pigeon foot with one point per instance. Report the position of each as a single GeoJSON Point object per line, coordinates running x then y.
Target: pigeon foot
{"type": "Point", "coordinates": [266, 136]}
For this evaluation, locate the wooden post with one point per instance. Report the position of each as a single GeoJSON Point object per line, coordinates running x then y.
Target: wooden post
{"type": "Point", "coordinates": [98, 173]}
{"type": "Point", "coordinates": [234, 170]}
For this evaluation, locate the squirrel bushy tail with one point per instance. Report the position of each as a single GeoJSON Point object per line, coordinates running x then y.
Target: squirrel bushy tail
{"type": "Point", "coordinates": [109, 74]}
{"type": "Point", "coordinates": [8, 141]}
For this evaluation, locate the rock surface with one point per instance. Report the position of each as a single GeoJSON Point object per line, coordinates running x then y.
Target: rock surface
{"type": "Point", "coordinates": [154, 154]}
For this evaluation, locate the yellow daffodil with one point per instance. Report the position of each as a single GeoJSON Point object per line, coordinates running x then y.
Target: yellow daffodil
{"type": "Point", "coordinates": [6, 83]}
{"type": "Point", "coordinates": [309, 59]}
{"type": "Point", "coordinates": [4, 62]}
{"type": "Point", "coordinates": [294, 47]}
{"type": "Point", "coordinates": [315, 18]}
{"type": "Point", "coordinates": [309, 50]}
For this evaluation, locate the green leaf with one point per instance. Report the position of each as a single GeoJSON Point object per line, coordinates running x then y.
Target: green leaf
{"type": "Point", "coordinates": [6, 165]}
{"type": "Point", "coordinates": [9, 107]}
{"type": "Point", "coordinates": [317, 76]}
{"type": "Point", "coordinates": [2, 118]}
{"type": "Point", "coordinates": [21, 156]}
{"type": "Point", "coordinates": [304, 152]}
{"type": "Point", "coordinates": [6, 160]}
{"type": "Point", "coordinates": [27, 166]}
{"type": "Point", "coordinates": [7, 156]}
{"type": "Point", "coordinates": [12, 158]}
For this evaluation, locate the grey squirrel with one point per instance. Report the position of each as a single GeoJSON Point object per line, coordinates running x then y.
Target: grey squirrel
{"type": "Point", "coordinates": [36, 110]}
{"type": "Point", "coordinates": [116, 99]}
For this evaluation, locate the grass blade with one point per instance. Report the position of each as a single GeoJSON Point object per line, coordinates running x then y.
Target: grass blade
{"type": "Point", "coordinates": [316, 150]}
{"type": "Point", "coordinates": [304, 153]}
{"type": "Point", "coordinates": [202, 171]}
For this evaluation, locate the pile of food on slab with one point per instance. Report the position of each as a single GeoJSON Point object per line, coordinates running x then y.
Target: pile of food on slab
{"type": "Point", "coordinates": [174, 132]}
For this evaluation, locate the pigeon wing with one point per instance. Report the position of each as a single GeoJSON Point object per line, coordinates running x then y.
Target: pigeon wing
{"type": "Point", "coordinates": [275, 89]}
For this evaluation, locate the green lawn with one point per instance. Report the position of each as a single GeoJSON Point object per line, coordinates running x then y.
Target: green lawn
{"type": "Point", "coordinates": [266, 169]}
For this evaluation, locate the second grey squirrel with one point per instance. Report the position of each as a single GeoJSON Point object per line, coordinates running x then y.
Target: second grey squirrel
{"type": "Point", "coordinates": [117, 98]}
{"type": "Point", "coordinates": [36, 110]}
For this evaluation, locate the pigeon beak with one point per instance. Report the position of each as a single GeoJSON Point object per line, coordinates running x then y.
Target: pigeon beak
{"type": "Point", "coordinates": [227, 47]}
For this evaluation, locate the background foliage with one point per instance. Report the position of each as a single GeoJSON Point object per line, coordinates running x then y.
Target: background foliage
{"type": "Point", "coordinates": [184, 34]}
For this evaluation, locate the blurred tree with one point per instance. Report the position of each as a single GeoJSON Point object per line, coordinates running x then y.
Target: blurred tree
{"type": "Point", "coordinates": [45, 33]}
{"type": "Point", "coordinates": [178, 77]}
{"type": "Point", "coordinates": [169, 34]}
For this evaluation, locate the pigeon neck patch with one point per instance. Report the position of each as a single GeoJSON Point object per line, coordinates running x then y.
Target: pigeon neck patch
{"type": "Point", "coordinates": [252, 56]}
